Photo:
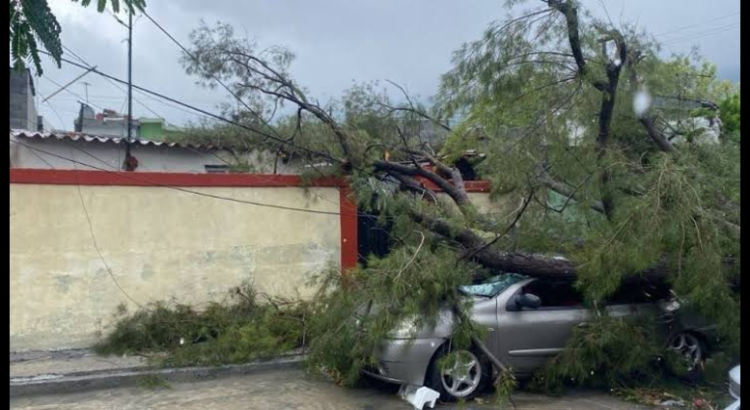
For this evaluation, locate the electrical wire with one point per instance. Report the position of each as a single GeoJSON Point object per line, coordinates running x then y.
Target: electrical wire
{"type": "Point", "coordinates": [82, 60]}
{"type": "Point", "coordinates": [199, 63]}
{"type": "Point", "coordinates": [688, 27]}
{"type": "Point", "coordinates": [95, 242]}
{"type": "Point", "coordinates": [205, 112]}
{"type": "Point", "coordinates": [67, 90]}
{"type": "Point", "coordinates": [704, 34]}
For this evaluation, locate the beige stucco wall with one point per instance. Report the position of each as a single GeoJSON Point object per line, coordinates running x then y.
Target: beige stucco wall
{"type": "Point", "coordinates": [160, 244]}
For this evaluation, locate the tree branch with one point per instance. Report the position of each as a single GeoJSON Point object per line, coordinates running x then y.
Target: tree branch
{"type": "Point", "coordinates": [459, 196]}
{"type": "Point", "coordinates": [570, 11]}
{"type": "Point", "coordinates": [656, 136]}
{"type": "Point", "coordinates": [563, 189]}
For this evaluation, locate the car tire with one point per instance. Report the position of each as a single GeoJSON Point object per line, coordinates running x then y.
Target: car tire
{"type": "Point", "coordinates": [472, 369]}
{"type": "Point", "coordinates": [691, 346]}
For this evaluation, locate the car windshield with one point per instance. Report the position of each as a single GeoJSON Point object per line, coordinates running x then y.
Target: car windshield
{"type": "Point", "coordinates": [493, 286]}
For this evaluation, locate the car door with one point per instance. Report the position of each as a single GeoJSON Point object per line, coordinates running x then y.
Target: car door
{"type": "Point", "coordinates": [528, 338]}
{"type": "Point", "coordinates": [484, 314]}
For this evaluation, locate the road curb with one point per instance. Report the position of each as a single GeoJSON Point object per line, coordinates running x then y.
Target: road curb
{"type": "Point", "coordinates": [81, 382]}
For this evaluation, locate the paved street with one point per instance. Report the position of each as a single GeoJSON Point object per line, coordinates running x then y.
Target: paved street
{"type": "Point", "coordinates": [286, 390]}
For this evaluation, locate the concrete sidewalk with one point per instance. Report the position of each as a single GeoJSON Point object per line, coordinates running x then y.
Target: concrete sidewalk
{"type": "Point", "coordinates": [52, 373]}
{"type": "Point", "coordinates": [286, 390]}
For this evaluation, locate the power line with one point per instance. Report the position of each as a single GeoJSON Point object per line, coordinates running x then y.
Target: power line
{"type": "Point", "coordinates": [683, 28]}
{"type": "Point", "coordinates": [67, 90]}
{"type": "Point", "coordinates": [206, 113]}
{"type": "Point", "coordinates": [81, 59]}
{"type": "Point", "coordinates": [214, 77]}
{"type": "Point", "coordinates": [54, 110]}
{"type": "Point", "coordinates": [99, 250]}
{"type": "Point", "coordinates": [708, 33]}
{"type": "Point", "coordinates": [134, 177]}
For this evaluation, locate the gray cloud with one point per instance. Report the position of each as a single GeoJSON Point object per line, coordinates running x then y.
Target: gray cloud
{"type": "Point", "coordinates": [341, 41]}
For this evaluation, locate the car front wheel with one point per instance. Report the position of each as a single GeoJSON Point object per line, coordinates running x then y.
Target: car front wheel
{"type": "Point", "coordinates": [458, 375]}
{"type": "Point", "coordinates": [693, 350]}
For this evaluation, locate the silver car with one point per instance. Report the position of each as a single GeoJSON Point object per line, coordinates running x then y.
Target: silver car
{"type": "Point", "coordinates": [735, 387]}
{"type": "Point", "coordinates": [528, 321]}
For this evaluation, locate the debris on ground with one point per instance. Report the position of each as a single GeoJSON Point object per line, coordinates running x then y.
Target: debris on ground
{"type": "Point", "coordinates": [692, 398]}
{"type": "Point", "coordinates": [673, 404]}
{"type": "Point", "coordinates": [419, 396]}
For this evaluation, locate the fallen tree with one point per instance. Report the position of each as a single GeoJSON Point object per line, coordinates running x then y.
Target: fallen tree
{"type": "Point", "coordinates": [560, 104]}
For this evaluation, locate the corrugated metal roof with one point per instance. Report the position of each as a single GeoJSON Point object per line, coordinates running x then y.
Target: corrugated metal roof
{"type": "Point", "coordinates": [82, 137]}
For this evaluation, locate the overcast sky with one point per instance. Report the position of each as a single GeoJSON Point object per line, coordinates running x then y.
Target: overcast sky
{"type": "Point", "coordinates": [338, 42]}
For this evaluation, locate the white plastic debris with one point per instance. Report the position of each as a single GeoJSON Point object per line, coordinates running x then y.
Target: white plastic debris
{"type": "Point", "coordinates": [419, 396]}
{"type": "Point", "coordinates": [642, 102]}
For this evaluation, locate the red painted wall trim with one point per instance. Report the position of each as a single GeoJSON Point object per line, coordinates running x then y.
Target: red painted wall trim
{"type": "Point", "coordinates": [348, 206]}
{"type": "Point", "coordinates": [349, 229]}
{"type": "Point", "coordinates": [74, 177]}
{"type": "Point", "coordinates": [149, 179]}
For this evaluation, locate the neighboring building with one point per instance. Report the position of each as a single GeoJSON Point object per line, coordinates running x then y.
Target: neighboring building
{"type": "Point", "coordinates": [108, 123]}
{"type": "Point", "coordinates": [155, 128]}
{"type": "Point", "coordinates": [23, 112]}
{"type": "Point", "coordinates": [113, 124]}
{"type": "Point", "coordinates": [35, 150]}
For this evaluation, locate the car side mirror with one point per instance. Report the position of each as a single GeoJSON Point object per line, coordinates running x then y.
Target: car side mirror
{"type": "Point", "coordinates": [525, 301]}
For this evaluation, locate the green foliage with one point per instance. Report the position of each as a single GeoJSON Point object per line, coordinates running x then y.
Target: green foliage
{"type": "Point", "coordinates": [399, 293]}
{"type": "Point", "coordinates": [505, 385]}
{"type": "Point", "coordinates": [32, 24]}
{"type": "Point", "coordinates": [522, 101]}
{"type": "Point", "coordinates": [515, 87]}
{"type": "Point", "coordinates": [731, 117]}
{"type": "Point", "coordinates": [240, 330]}
{"type": "Point", "coordinates": [611, 352]}
{"type": "Point", "coordinates": [101, 5]}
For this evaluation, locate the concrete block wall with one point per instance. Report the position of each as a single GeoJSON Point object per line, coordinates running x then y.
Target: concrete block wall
{"type": "Point", "coordinates": [160, 244]}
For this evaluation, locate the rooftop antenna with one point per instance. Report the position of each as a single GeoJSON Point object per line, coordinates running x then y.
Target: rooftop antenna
{"type": "Point", "coordinates": [86, 88]}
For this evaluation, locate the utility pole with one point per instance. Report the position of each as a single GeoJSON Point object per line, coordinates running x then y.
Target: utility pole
{"type": "Point", "coordinates": [129, 140]}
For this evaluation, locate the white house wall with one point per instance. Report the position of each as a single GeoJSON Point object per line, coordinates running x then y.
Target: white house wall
{"type": "Point", "coordinates": [57, 154]}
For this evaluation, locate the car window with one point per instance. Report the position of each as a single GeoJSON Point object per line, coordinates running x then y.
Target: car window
{"type": "Point", "coordinates": [493, 286]}
{"type": "Point", "coordinates": [555, 294]}
{"type": "Point", "coordinates": [639, 294]}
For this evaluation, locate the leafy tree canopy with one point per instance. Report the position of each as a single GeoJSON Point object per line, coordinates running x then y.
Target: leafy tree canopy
{"type": "Point", "coordinates": [554, 103]}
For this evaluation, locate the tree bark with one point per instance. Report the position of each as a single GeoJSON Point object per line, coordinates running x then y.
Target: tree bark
{"type": "Point", "coordinates": [459, 196]}
{"type": "Point", "coordinates": [656, 136]}
{"type": "Point", "coordinates": [529, 264]}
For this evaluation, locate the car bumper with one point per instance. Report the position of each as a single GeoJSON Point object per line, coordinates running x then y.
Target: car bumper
{"type": "Point", "coordinates": [404, 361]}
{"type": "Point", "coordinates": [735, 406]}
{"type": "Point", "coordinates": [734, 383]}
